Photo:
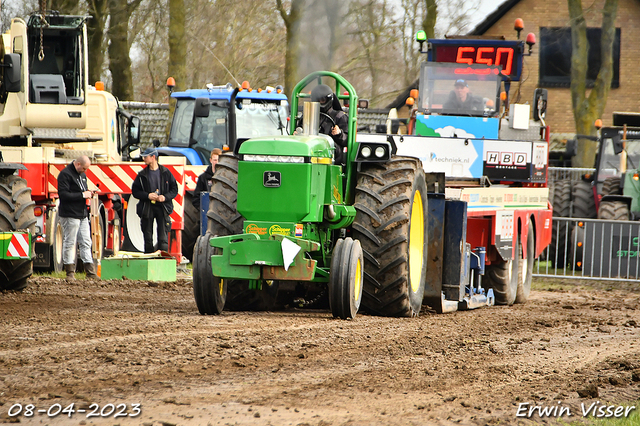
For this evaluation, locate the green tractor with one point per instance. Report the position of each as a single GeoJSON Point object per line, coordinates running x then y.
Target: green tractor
{"type": "Point", "coordinates": [17, 228]}
{"type": "Point", "coordinates": [286, 224]}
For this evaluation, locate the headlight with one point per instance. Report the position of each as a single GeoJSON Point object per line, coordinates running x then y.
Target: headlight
{"type": "Point", "coordinates": [366, 152]}
{"type": "Point", "coordinates": [380, 152]}
{"type": "Point", "coordinates": [273, 158]}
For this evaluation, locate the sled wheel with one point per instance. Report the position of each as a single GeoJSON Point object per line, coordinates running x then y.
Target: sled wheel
{"type": "Point", "coordinates": [210, 292]}
{"type": "Point", "coordinates": [525, 270]}
{"type": "Point", "coordinates": [502, 277]}
{"type": "Point", "coordinates": [345, 283]}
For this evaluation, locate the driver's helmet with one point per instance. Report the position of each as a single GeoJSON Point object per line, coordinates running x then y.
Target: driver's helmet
{"type": "Point", "coordinates": [323, 95]}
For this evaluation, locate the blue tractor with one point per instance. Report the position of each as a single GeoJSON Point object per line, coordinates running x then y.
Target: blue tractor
{"type": "Point", "coordinates": [235, 114]}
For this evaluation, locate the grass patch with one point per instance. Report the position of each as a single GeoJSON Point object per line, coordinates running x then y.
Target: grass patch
{"type": "Point", "coordinates": [632, 420]}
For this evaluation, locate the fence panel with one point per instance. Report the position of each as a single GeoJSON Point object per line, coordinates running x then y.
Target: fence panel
{"type": "Point", "coordinates": [591, 249]}
{"type": "Point", "coordinates": [567, 173]}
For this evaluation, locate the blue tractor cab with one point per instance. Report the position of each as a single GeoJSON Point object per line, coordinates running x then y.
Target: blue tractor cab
{"type": "Point", "coordinates": [235, 114]}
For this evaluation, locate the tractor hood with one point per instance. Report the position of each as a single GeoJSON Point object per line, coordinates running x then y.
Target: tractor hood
{"type": "Point", "coordinates": [293, 146]}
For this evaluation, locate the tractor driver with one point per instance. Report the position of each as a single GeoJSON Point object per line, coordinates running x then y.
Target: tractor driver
{"type": "Point", "coordinates": [461, 100]}
{"type": "Point", "coordinates": [333, 121]}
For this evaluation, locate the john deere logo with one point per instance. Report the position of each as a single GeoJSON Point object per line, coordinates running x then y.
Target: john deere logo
{"type": "Point", "coordinates": [271, 179]}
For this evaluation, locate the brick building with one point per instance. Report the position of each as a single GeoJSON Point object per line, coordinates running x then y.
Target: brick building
{"type": "Point", "coordinates": [546, 67]}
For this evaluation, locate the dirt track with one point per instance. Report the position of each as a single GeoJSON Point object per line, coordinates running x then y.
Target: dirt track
{"type": "Point", "coordinates": [136, 342]}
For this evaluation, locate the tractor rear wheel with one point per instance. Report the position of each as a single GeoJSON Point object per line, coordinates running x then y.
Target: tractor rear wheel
{"type": "Point", "coordinates": [613, 210]}
{"type": "Point", "coordinates": [210, 292]}
{"type": "Point", "coordinates": [611, 186]}
{"type": "Point", "coordinates": [391, 225]}
{"type": "Point", "coordinates": [345, 282]}
{"type": "Point", "coordinates": [559, 230]}
{"type": "Point", "coordinates": [16, 213]}
{"type": "Point", "coordinates": [191, 227]}
{"type": "Point", "coordinates": [525, 269]}
{"type": "Point", "coordinates": [224, 219]}
{"type": "Point", "coordinates": [584, 205]}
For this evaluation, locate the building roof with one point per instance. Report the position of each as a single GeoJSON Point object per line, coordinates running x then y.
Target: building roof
{"type": "Point", "coordinates": [493, 17]}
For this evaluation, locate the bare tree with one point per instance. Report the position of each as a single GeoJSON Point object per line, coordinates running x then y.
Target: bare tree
{"type": "Point", "coordinates": [292, 56]}
{"type": "Point", "coordinates": [95, 34]}
{"type": "Point", "coordinates": [177, 43]}
{"type": "Point", "coordinates": [66, 7]}
{"type": "Point", "coordinates": [430, 18]}
{"type": "Point", "coordinates": [587, 108]}
{"type": "Point", "coordinates": [119, 61]}
{"type": "Point", "coordinates": [376, 31]}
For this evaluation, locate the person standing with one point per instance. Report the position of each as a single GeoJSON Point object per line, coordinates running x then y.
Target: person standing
{"type": "Point", "coordinates": [204, 180]}
{"type": "Point", "coordinates": [156, 188]}
{"type": "Point", "coordinates": [74, 193]}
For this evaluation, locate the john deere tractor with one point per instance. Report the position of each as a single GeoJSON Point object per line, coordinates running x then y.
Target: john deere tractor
{"type": "Point", "coordinates": [287, 224]}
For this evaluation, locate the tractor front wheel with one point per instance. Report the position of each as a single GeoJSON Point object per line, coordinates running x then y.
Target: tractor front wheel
{"type": "Point", "coordinates": [391, 225]}
{"type": "Point", "coordinates": [210, 292]}
{"type": "Point", "coordinates": [345, 283]}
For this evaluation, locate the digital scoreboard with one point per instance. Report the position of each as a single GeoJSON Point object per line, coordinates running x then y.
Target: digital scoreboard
{"type": "Point", "coordinates": [506, 53]}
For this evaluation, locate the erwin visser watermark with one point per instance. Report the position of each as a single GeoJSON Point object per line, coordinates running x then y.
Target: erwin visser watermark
{"type": "Point", "coordinates": [595, 409]}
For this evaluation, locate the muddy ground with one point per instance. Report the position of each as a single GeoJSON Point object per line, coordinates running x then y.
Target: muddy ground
{"type": "Point", "coordinates": [92, 344]}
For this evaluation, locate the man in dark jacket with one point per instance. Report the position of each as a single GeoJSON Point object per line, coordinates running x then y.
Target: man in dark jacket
{"type": "Point", "coordinates": [204, 180]}
{"type": "Point", "coordinates": [156, 188]}
{"type": "Point", "coordinates": [461, 100]}
{"type": "Point", "coordinates": [333, 121]}
{"type": "Point", "coordinates": [74, 194]}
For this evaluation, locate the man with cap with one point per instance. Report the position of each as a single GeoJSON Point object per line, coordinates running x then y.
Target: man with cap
{"type": "Point", "coordinates": [155, 188]}
{"type": "Point", "coordinates": [333, 121]}
{"type": "Point", "coordinates": [461, 100]}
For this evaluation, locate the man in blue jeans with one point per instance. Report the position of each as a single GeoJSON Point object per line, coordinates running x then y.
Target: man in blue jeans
{"type": "Point", "coordinates": [74, 193]}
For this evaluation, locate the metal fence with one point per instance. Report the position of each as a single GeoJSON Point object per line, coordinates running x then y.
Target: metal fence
{"type": "Point", "coordinates": [567, 173]}
{"type": "Point", "coordinates": [591, 249]}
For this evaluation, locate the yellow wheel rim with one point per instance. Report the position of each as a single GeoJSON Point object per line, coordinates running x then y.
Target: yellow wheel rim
{"type": "Point", "coordinates": [221, 285]}
{"type": "Point", "coordinates": [416, 242]}
{"type": "Point", "coordinates": [356, 290]}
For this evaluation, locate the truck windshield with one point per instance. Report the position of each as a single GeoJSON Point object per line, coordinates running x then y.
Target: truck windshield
{"type": "Point", "coordinates": [261, 119]}
{"type": "Point", "coordinates": [252, 120]}
{"type": "Point", "coordinates": [612, 164]}
{"type": "Point", "coordinates": [455, 89]}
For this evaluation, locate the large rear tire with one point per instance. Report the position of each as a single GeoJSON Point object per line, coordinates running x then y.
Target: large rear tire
{"type": "Point", "coordinates": [611, 186]}
{"type": "Point", "coordinates": [391, 225]}
{"type": "Point", "coordinates": [584, 205]}
{"type": "Point", "coordinates": [191, 227]}
{"type": "Point", "coordinates": [210, 292]}
{"type": "Point", "coordinates": [525, 265]}
{"type": "Point", "coordinates": [16, 213]}
{"type": "Point", "coordinates": [613, 210]}
{"type": "Point", "coordinates": [224, 219]}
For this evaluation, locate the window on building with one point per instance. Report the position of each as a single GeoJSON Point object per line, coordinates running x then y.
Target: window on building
{"type": "Point", "coordinates": [555, 57]}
